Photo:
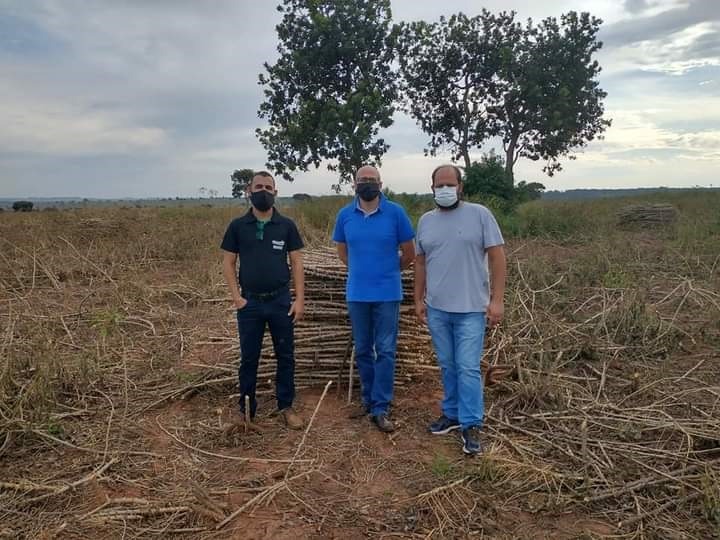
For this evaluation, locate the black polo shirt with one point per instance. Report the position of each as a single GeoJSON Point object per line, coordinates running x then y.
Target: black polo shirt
{"type": "Point", "coordinates": [263, 263]}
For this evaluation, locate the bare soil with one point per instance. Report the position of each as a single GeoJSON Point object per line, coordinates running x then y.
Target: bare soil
{"type": "Point", "coordinates": [118, 418]}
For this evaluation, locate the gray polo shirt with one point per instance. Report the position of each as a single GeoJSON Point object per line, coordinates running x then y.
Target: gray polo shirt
{"type": "Point", "coordinates": [454, 244]}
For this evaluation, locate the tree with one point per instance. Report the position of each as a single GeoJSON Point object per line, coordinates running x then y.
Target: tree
{"type": "Point", "coordinates": [467, 79]}
{"type": "Point", "coordinates": [525, 192]}
{"type": "Point", "coordinates": [448, 77]}
{"type": "Point", "coordinates": [551, 101]}
{"type": "Point", "coordinates": [22, 206]}
{"type": "Point", "coordinates": [332, 88]}
{"type": "Point", "coordinates": [241, 179]}
{"type": "Point", "coordinates": [487, 177]}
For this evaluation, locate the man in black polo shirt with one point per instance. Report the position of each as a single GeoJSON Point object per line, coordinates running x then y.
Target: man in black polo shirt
{"type": "Point", "coordinates": [262, 240]}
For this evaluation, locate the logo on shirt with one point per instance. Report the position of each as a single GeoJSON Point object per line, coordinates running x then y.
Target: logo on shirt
{"type": "Point", "coordinates": [278, 244]}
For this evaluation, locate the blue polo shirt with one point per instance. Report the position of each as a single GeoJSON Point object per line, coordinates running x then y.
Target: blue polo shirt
{"type": "Point", "coordinates": [372, 242]}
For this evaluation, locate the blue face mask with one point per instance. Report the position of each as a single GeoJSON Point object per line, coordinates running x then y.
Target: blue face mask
{"type": "Point", "coordinates": [446, 196]}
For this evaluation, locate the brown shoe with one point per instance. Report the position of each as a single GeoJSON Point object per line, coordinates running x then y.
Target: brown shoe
{"type": "Point", "coordinates": [292, 419]}
{"type": "Point", "coordinates": [358, 411]}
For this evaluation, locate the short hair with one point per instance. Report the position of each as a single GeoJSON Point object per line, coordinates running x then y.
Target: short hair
{"type": "Point", "coordinates": [264, 174]}
{"type": "Point", "coordinates": [458, 172]}
{"type": "Point", "coordinates": [373, 166]}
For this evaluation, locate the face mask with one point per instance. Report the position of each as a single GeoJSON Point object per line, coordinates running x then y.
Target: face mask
{"type": "Point", "coordinates": [367, 191]}
{"type": "Point", "coordinates": [262, 200]}
{"type": "Point", "coordinates": [446, 197]}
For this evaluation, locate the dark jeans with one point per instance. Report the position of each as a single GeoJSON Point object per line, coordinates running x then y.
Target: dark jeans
{"type": "Point", "coordinates": [251, 328]}
{"type": "Point", "coordinates": [375, 331]}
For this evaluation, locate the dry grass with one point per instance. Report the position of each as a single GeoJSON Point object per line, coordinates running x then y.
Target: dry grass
{"type": "Point", "coordinates": [115, 321]}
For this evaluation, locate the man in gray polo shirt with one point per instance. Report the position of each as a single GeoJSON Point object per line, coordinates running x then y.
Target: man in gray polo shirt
{"type": "Point", "coordinates": [456, 296]}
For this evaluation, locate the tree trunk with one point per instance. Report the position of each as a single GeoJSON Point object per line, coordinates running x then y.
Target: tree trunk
{"type": "Point", "coordinates": [466, 158]}
{"type": "Point", "coordinates": [510, 161]}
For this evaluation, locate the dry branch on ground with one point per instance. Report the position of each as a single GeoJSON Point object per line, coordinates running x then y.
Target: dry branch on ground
{"type": "Point", "coordinates": [119, 362]}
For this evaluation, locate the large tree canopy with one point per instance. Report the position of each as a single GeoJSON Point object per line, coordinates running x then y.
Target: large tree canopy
{"type": "Point", "coordinates": [332, 87]}
{"type": "Point", "coordinates": [449, 77]}
{"type": "Point", "coordinates": [551, 101]}
{"type": "Point", "coordinates": [467, 79]}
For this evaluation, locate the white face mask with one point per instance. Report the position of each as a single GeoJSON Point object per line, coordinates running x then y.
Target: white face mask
{"type": "Point", "coordinates": [446, 196]}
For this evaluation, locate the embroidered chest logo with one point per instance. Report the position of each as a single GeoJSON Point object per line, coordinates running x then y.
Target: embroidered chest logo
{"type": "Point", "coordinates": [278, 244]}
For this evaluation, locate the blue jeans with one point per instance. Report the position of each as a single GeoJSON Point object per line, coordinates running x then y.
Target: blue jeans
{"type": "Point", "coordinates": [375, 331]}
{"type": "Point", "coordinates": [458, 341]}
{"type": "Point", "coordinates": [252, 320]}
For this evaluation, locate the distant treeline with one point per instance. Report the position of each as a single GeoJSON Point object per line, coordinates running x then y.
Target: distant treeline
{"type": "Point", "coordinates": [569, 195]}
{"type": "Point", "coordinates": [579, 194]}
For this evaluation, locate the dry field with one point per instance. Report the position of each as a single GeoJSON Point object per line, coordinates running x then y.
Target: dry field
{"type": "Point", "coordinates": [117, 416]}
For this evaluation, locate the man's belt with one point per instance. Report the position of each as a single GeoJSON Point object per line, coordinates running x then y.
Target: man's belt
{"type": "Point", "coordinates": [266, 296]}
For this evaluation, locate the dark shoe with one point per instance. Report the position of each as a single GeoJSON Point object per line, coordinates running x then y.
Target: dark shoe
{"type": "Point", "coordinates": [443, 425]}
{"type": "Point", "coordinates": [383, 423]}
{"type": "Point", "coordinates": [242, 416]}
{"type": "Point", "coordinates": [292, 419]}
{"type": "Point", "coordinates": [471, 440]}
{"type": "Point", "coordinates": [358, 411]}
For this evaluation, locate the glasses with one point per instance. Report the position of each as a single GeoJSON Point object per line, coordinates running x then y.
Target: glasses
{"type": "Point", "coordinates": [367, 180]}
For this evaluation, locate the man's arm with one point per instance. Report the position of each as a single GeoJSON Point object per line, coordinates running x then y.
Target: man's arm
{"type": "Point", "coordinates": [420, 280]}
{"type": "Point", "coordinates": [342, 252]}
{"type": "Point", "coordinates": [407, 254]}
{"type": "Point", "coordinates": [297, 309]}
{"type": "Point", "coordinates": [498, 271]}
{"type": "Point", "coordinates": [229, 271]}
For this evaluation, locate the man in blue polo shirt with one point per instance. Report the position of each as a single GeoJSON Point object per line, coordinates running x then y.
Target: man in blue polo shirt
{"type": "Point", "coordinates": [368, 233]}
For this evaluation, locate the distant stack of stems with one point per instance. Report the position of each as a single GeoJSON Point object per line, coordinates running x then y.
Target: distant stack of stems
{"type": "Point", "coordinates": [647, 215]}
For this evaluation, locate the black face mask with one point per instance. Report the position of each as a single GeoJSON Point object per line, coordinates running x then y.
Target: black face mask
{"type": "Point", "coordinates": [262, 200]}
{"type": "Point", "coordinates": [367, 191]}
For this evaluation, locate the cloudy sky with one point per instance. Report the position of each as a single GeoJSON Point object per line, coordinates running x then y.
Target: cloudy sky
{"type": "Point", "coordinates": [138, 98]}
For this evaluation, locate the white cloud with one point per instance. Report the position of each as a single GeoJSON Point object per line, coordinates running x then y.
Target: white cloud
{"type": "Point", "coordinates": [651, 8]}
{"type": "Point", "coordinates": [635, 130]}
{"type": "Point", "coordinates": [46, 126]}
{"type": "Point", "coordinates": [670, 55]}
{"type": "Point", "coordinates": [678, 53]}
